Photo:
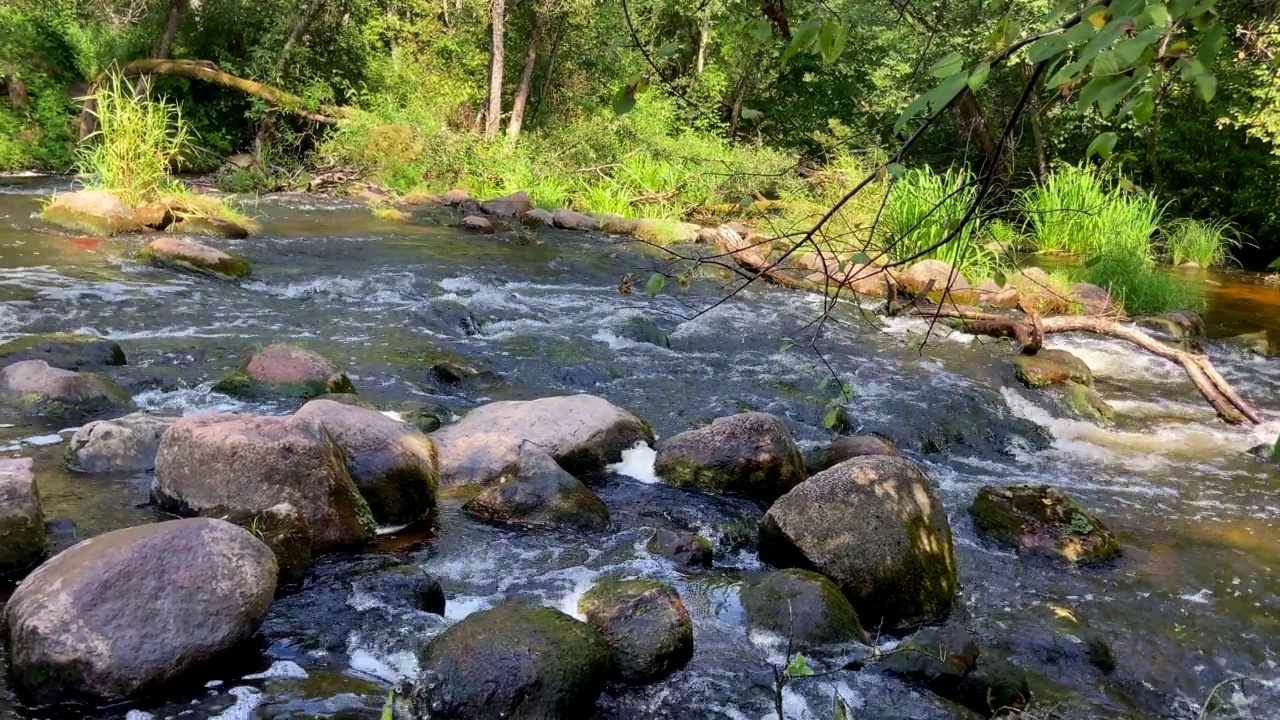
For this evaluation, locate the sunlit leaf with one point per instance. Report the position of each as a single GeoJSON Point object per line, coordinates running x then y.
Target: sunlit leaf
{"type": "Point", "coordinates": [832, 40]}
{"type": "Point", "coordinates": [1101, 145]}
{"type": "Point", "coordinates": [1098, 18]}
{"type": "Point", "coordinates": [896, 170]}
{"type": "Point", "coordinates": [978, 76]}
{"type": "Point", "coordinates": [1156, 15]}
{"type": "Point", "coordinates": [803, 39]}
{"type": "Point", "coordinates": [762, 30]}
{"type": "Point", "coordinates": [1107, 63]}
{"type": "Point", "coordinates": [388, 708]}
{"type": "Point", "coordinates": [1212, 44]}
{"type": "Point", "coordinates": [1206, 86]}
{"type": "Point", "coordinates": [829, 421]}
{"type": "Point", "coordinates": [822, 384]}
{"type": "Point", "coordinates": [668, 50]}
{"type": "Point", "coordinates": [786, 346]}
{"type": "Point", "coordinates": [624, 100]}
{"type": "Point", "coordinates": [838, 709]}
{"type": "Point", "coordinates": [655, 284]}
{"type": "Point", "coordinates": [946, 91]}
{"type": "Point", "coordinates": [947, 66]}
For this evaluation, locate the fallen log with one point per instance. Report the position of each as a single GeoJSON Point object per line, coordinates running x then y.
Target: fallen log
{"type": "Point", "coordinates": [752, 257]}
{"type": "Point", "coordinates": [1028, 332]}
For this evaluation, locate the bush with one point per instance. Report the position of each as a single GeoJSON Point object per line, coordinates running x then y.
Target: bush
{"type": "Point", "coordinates": [1067, 212]}
{"type": "Point", "coordinates": [1205, 243]}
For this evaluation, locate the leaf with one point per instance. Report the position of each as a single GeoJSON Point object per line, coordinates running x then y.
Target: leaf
{"type": "Point", "coordinates": [1046, 47]}
{"type": "Point", "coordinates": [802, 40]}
{"type": "Point", "coordinates": [1089, 94]}
{"type": "Point", "coordinates": [1156, 15]}
{"type": "Point", "coordinates": [999, 277]}
{"type": "Point", "coordinates": [1111, 95]}
{"type": "Point", "coordinates": [1141, 107]}
{"type": "Point", "coordinates": [1211, 45]}
{"type": "Point", "coordinates": [1067, 74]}
{"type": "Point", "coordinates": [642, 86]}
{"type": "Point", "coordinates": [799, 665]}
{"type": "Point", "coordinates": [839, 37]}
{"type": "Point", "coordinates": [1080, 32]}
{"type": "Point", "coordinates": [978, 76]}
{"type": "Point", "coordinates": [1275, 264]}
{"type": "Point", "coordinates": [388, 708]}
{"type": "Point", "coordinates": [655, 284]}
{"type": "Point", "coordinates": [1063, 613]}
{"type": "Point", "coordinates": [762, 30]}
{"type": "Point", "coordinates": [946, 91]}
{"type": "Point", "coordinates": [1107, 63]}
{"type": "Point", "coordinates": [1207, 86]}
{"type": "Point", "coordinates": [915, 108]}
{"type": "Point", "coordinates": [896, 170]}
{"type": "Point", "coordinates": [1101, 146]}
{"type": "Point", "coordinates": [624, 99]}
{"type": "Point", "coordinates": [668, 50]}
{"type": "Point", "coordinates": [1131, 50]}
{"type": "Point", "coordinates": [822, 384]}
{"type": "Point", "coordinates": [829, 421]}
{"type": "Point", "coordinates": [947, 66]}
{"type": "Point", "coordinates": [786, 346]}
{"type": "Point", "coordinates": [745, 202]}
{"type": "Point", "coordinates": [860, 258]}
{"type": "Point", "coordinates": [839, 711]}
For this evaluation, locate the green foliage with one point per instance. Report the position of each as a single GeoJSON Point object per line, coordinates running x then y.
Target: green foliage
{"type": "Point", "coordinates": [925, 207]}
{"type": "Point", "coordinates": [138, 140]}
{"type": "Point", "coordinates": [1205, 243]}
{"type": "Point", "coordinates": [1066, 211]}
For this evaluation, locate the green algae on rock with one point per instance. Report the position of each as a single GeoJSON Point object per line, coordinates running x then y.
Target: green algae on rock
{"type": "Point", "coordinates": [1041, 520]}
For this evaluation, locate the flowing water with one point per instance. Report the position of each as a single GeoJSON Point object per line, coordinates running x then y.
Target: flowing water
{"type": "Point", "coordinates": [1194, 601]}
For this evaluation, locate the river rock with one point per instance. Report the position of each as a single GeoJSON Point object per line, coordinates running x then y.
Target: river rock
{"type": "Point", "coordinates": [282, 370]}
{"type": "Point", "coordinates": [537, 217]}
{"type": "Point", "coordinates": [126, 444]}
{"type": "Point", "coordinates": [616, 225]}
{"type": "Point", "coordinates": [918, 276]}
{"type": "Point", "coordinates": [1087, 402]}
{"type": "Point", "coordinates": [98, 212]}
{"type": "Point", "coordinates": [939, 658]}
{"type": "Point", "coordinates": [536, 492]}
{"type": "Point", "coordinates": [751, 455]}
{"type": "Point", "coordinates": [1094, 300]}
{"type": "Point", "coordinates": [22, 530]}
{"type": "Point", "coordinates": [508, 206]}
{"type": "Point", "coordinates": [62, 396]}
{"type": "Point", "coordinates": [282, 529]}
{"type": "Point", "coordinates": [852, 446]}
{"type": "Point", "coordinates": [68, 352]}
{"type": "Point", "coordinates": [645, 623]}
{"type": "Point", "coordinates": [1180, 324]}
{"type": "Point", "coordinates": [1062, 637]}
{"type": "Point", "coordinates": [803, 609]}
{"type": "Point", "coordinates": [642, 329]}
{"type": "Point", "coordinates": [989, 294]}
{"type": "Point", "coordinates": [209, 225]}
{"type": "Point", "coordinates": [456, 197]}
{"type": "Point", "coordinates": [1041, 520]}
{"type": "Point", "coordinates": [687, 550]}
{"type": "Point", "coordinates": [583, 433]}
{"type": "Point", "coordinates": [512, 661]}
{"type": "Point", "coordinates": [570, 220]}
{"type": "Point", "coordinates": [873, 525]}
{"type": "Point", "coordinates": [186, 254]}
{"type": "Point", "coordinates": [405, 585]}
{"type": "Point", "coordinates": [393, 463]}
{"type": "Point", "coordinates": [1051, 367]}
{"type": "Point", "coordinates": [250, 462]}
{"type": "Point", "coordinates": [124, 612]}
{"type": "Point", "coordinates": [476, 223]}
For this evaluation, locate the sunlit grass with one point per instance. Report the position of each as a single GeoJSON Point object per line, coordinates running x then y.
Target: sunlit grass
{"type": "Point", "coordinates": [1205, 243]}
{"type": "Point", "coordinates": [924, 208]}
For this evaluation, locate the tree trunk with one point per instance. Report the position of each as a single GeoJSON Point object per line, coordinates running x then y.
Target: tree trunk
{"type": "Point", "coordinates": [974, 125]}
{"type": "Point", "coordinates": [1037, 132]}
{"type": "Point", "coordinates": [299, 29]}
{"type": "Point", "coordinates": [170, 32]}
{"type": "Point", "coordinates": [739, 94]}
{"type": "Point", "coordinates": [526, 75]}
{"type": "Point", "coordinates": [17, 90]}
{"type": "Point", "coordinates": [551, 70]}
{"type": "Point", "coordinates": [704, 39]}
{"type": "Point", "coordinates": [493, 114]}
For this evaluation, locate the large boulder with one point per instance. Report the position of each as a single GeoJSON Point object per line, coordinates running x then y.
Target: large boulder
{"type": "Point", "coordinates": [249, 462]}
{"type": "Point", "coordinates": [513, 661]}
{"type": "Point", "coordinates": [125, 444]}
{"type": "Point", "coordinates": [98, 212]}
{"type": "Point", "coordinates": [281, 528]}
{"type": "Point", "coordinates": [508, 206]}
{"type": "Point", "coordinates": [852, 446]}
{"type": "Point", "coordinates": [804, 610]}
{"type": "Point", "coordinates": [645, 623]}
{"type": "Point", "coordinates": [948, 662]}
{"type": "Point", "coordinates": [875, 526]}
{"type": "Point", "coordinates": [535, 492]}
{"type": "Point", "coordinates": [944, 277]}
{"type": "Point", "coordinates": [288, 371]}
{"type": "Point", "coordinates": [687, 550]}
{"type": "Point", "coordinates": [63, 396]}
{"type": "Point", "coordinates": [69, 352]}
{"type": "Point", "coordinates": [180, 253]}
{"type": "Point", "coordinates": [122, 613]}
{"type": "Point", "coordinates": [583, 433]}
{"type": "Point", "coordinates": [22, 531]}
{"type": "Point", "coordinates": [1040, 520]}
{"type": "Point", "coordinates": [1051, 367]}
{"type": "Point", "coordinates": [751, 454]}
{"type": "Point", "coordinates": [392, 462]}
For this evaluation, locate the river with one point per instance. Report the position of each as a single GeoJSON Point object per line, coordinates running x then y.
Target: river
{"type": "Point", "coordinates": [1193, 602]}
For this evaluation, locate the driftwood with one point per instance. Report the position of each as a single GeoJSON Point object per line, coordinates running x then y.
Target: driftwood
{"type": "Point", "coordinates": [753, 257]}
{"type": "Point", "coordinates": [208, 72]}
{"type": "Point", "coordinates": [1029, 332]}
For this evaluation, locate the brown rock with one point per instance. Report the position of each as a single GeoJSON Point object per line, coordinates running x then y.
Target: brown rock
{"type": "Point", "coordinates": [22, 531]}
{"type": "Point", "coordinates": [617, 225]}
{"type": "Point", "coordinates": [475, 223]}
{"type": "Point", "coordinates": [61, 395]}
{"type": "Point", "coordinates": [751, 454]}
{"type": "Point", "coordinates": [187, 254]}
{"type": "Point", "coordinates": [570, 220]}
{"type": "Point", "coordinates": [508, 206]}
{"type": "Point", "coordinates": [1094, 300]}
{"type": "Point", "coordinates": [288, 370]}
{"type": "Point", "coordinates": [848, 447]}
{"type": "Point", "coordinates": [421, 199]}
{"type": "Point", "coordinates": [917, 277]}
{"type": "Point", "coordinates": [98, 212]}
{"type": "Point", "coordinates": [537, 217]}
{"type": "Point", "coordinates": [989, 294]}
{"type": "Point", "coordinates": [456, 197]}
{"type": "Point", "coordinates": [126, 444]}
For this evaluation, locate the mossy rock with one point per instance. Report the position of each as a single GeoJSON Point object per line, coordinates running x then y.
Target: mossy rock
{"type": "Point", "coordinates": [61, 396]}
{"type": "Point", "coordinates": [98, 212]}
{"type": "Point", "coordinates": [750, 455]}
{"type": "Point", "coordinates": [210, 226]}
{"type": "Point", "coordinates": [1039, 519]}
{"type": "Point", "coordinates": [645, 623]}
{"type": "Point", "coordinates": [66, 351]}
{"type": "Point", "coordinates": [804, 609]}
{"type": "Point", "coordinates": [1087, 402]}
{"type": "Point", "coordinates": [188, 255]}
{"type": "Point", "coordinates": [1051, 367]}
{"type": "Point", "coordinates": [995, 688]}
{"type": "Point", "coordinates": [535, 492]}
{"type": "Point", "coordinates": [643, 330]}
{"type": "Point", "coordinates": [687, 550]}
{"type": "Point", "coordinates": [285, 371]}
{"type": "Point", "coordinates": [283, 529]}
{"type": "Point", "coordinates": [938, 658]}
{"type": "Point", "coordinates": [513, 661]}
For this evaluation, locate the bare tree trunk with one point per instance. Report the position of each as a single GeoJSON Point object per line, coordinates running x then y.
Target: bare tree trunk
{"type": "Point", "coordinates": [739, 94]}
{"type": "Point", "coordinates": [493, 117]}
{"type": "Point", "coordinates": [704, 39]}
{"type": "Point", "coordinates": [170, 32]}
{"type": "Point", "coordinates": [526, 74]}
{"type": "Point", "coordinates": [299, 29]}
{"type": "Point", "coordinates": [974, 125]}
{"type": "Point", "coordinates": [17, 90]}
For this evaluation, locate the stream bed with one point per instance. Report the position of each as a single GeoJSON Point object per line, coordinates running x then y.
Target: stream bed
{"type": "Point", "coordinates": [1193, 603]}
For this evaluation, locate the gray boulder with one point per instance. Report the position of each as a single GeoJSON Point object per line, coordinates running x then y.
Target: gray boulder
{"type": "Point", "coordinates": [645, 623]}
{"type": "Point", "coordinates": [508, 206]}
{"type": "Point", "coordinates": [751, 454]}
{"type": "Point", "coordinates": [571, 220]}
{"type": "Point", "coordinates": [22, 530]}
{"type": "Point", "coordinates": [687, 550]}
{"type": "Point", "coordinates": [803, 609]}
{"type": "Point", "coordinates": [536, 492]}
{"type": "Point", "coordinates": [126, 444]}
{"type": "Point", "coordinates": [62, 396]}
{"type": "Point", "coordinates": [125, 612]}
{"type": "Point", "coordinates": [250, 462]}
{"type": "Point", "coordinates": [281, 528]}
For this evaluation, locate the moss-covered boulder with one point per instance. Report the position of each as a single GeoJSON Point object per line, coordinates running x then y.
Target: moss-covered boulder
{"type": "Point", "coordinates": [22, 529]}
{"type": "Point", "coordinates": [803, 609]}
{"type": "Point", "coordinates": [210, 226]}
{"type": "Point", "coordinates": [1051, 367]}
{"type": "Point", "coordinates": [513, 661]}
{"type": "Point", "coordinates": [285, 371]}
{"type": "Point", "coordinates": [1087, 402]}
{"type": "Point", "coordinates": [98, 212]}
{"type": "Point", "coordinates": [751, 455]}
{"type": "Point", "coordinates": [645, 623]}
{"type": "Point", "coordinates": [253, 463]}
{"type": "Point", "coordinates": [687, 550]}
{"type": "Point", "coordinates": [1039, 519]}
{"type": "Point", "coordinates": [61, 396]}
{"type": "Point", "coordinates": [948, 662]}
{"type": "Point", "coordinates": [392, 463]}
{"type": "Point", "coordinates": [282, 529]}
{"type": "Point", "coordinates": [125, 444]}
{"type": "Point", "coordinates": [65, 351]}
{"type": "Point", "coordinates": [535, 492]}
{"type": "Point", "coordinates": [180, 253]}
{"type": "Point", "coordinates": [875, 526]}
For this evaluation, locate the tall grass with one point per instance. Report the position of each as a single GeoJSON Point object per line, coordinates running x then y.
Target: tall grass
{"type": "Point", "coordinates": [1066, 212]}
{"type": "Point", "coordinates": [1205, 243]}
{"type": "Point", "coordinates": [138, 141]}
{"type": "Point", "coordinates": [923, 208]}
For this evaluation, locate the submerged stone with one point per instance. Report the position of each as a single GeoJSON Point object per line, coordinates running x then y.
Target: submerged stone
{"type": "Point", "coordinates": [646, 625]}
{"type": "Point", "coordinates": [687, 550]}
{"type": "Point", "coordinates": [1051, 367]}
{"type": "Point", "coordinates": [283, 370]}
{"type": "Point", "coordinates": [804, 610]}
{"type": "Point", "coordinates": [1088, 402]}
{"type": "Point", "coordinates": [1039, 519]}
{"type": "Point", "coordinates": [65, 351]}
{"type": "Point", "coordinates": [181, 253]}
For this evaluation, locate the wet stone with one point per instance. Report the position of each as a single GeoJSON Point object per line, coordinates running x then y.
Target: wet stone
{"type": "Point", "coordinates": [1039, 519]}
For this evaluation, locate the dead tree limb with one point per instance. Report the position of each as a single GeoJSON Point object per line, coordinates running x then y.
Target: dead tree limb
{"type": "Point", "coordinates": [753, 258]}
{"type": "Point", "coordinates": [1215, 389]}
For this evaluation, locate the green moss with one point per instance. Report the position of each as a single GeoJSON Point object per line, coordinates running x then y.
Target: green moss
{"type": "Point", "coordinates": [1086, 401]}
{"type": "Point", "coordinates": [1040, 519]}
{"type": "Point", "coordinates": [1051, 367]}
{"type": "Point", "coordinates": [921, 589]}
{"type": "Point", "coordinates": [239, 384]}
